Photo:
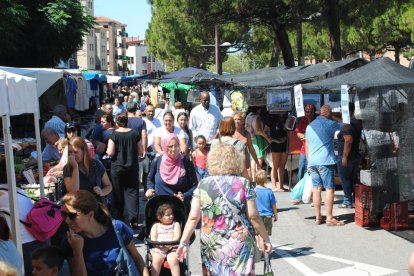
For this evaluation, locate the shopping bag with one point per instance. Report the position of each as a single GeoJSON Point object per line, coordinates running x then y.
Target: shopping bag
{"type": "Point", "coordinates": [297, 191]}
{"type": "Point", "coordinates": [307, 191]}
{"type": "Point", "coordinates": [267, 267]}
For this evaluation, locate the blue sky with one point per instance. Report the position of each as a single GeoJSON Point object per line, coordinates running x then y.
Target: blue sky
{"type": "Point", "coordinates": [135, 13]}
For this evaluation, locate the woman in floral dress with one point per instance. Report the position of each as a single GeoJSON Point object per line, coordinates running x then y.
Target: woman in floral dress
{"type": "Point", "coordinates": [228, 213]}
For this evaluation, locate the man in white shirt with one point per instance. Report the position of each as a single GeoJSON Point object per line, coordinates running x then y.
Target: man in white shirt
{"type": "Point", "coordinates": [152, 124]}
{"type": "Point", "coordinates": [205, 118]}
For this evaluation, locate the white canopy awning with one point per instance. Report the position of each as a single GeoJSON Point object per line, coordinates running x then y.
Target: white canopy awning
{"type": "Point", "coordinates": [18, 94]}
{"type": "Point", "coordinates": [112, 79]}
{"type": "Point", "coordinates": [45, 77]}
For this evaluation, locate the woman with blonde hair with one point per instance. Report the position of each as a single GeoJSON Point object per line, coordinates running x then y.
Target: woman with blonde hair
{"type": "Point", "coordinates": [84, 173]}
{"type": "Point", "coordinates": [92, 247]}
{"type": "Point", "coordinates": [229, 214]}
{"type": "Point", "coordinates": [244, 136]}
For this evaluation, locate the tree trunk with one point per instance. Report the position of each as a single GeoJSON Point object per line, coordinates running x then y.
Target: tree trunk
{"type": "Point", "coordinates": [285, 47]}
{"type": "Point", "coordinates": [332, 7]}
{"type": "Point", "coordinates": [397, 54]}
{"type": "Point", "coordinates": [274, 59]}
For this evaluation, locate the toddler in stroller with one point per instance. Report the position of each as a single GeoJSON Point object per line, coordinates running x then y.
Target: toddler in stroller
{"type": "Point", "coordinates": [166, 216]}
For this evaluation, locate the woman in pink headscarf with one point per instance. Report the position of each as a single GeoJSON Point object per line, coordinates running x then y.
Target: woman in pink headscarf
{"type": "Point", "coordinates": [171, 173]}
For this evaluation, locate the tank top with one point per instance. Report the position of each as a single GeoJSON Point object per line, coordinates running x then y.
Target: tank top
{"type": "Point", "coordinates": [200, 159]}
{"type": "Point", "coordinates": [165, 232]}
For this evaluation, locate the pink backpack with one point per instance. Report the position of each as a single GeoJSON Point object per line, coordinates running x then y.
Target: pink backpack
{"type": "Point", "coordinates": [44, 219]}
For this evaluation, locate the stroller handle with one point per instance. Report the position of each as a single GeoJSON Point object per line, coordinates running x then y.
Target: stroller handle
{"type": "Point", "coordinates": [148, 241]}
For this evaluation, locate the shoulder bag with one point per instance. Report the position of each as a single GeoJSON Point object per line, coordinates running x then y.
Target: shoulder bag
{"type": "Point", "coordinates": [257, 254]}
{"type": "Point", "coordinates": [125, 264]}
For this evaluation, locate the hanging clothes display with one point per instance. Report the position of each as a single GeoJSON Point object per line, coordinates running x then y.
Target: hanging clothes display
{"type": "Point", "coordinates": [71, 89]}
{"type": "Point", "coordinates": [238, 100]}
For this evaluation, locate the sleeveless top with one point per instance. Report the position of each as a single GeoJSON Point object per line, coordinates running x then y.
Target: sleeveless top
{"type": "Point", "coordinates": [165, 232]}
{"type": "Point", "coordinates": [200, 160]}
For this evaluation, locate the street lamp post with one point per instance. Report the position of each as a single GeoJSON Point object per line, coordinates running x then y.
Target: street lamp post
{"type": "Point", "coordinates": [217, 45]}
{"type": "Point", "coordinates": [219, 65]}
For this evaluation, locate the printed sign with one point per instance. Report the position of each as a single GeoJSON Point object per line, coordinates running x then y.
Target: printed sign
{"type": "Point", "coordinates": [300, 109]}
{"type": "Point", "coordinates": [346, 119]}
{"type": "Point", "coordinates": [279, 100]}
{"type": "Point", "coordinates": [256, 97]}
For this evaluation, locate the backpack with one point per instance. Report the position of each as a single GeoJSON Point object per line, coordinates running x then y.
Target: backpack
{"type": "Point", "coordinates": [43, 220]}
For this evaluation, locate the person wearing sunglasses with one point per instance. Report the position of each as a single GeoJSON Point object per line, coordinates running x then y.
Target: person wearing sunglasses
{"type": "Point", "coordinates": [91, 246]}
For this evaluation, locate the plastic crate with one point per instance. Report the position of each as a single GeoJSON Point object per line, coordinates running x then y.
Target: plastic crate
{"type": "Point", "coordinates": [395, 216]}
{"type": "Point", "coordinates": [364, 218]}
{"type": "Point", "coordinates": [363, 197]}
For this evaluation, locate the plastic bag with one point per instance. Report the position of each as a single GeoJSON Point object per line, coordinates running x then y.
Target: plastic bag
{"type": "Point", "coordinates": [297, 191]}
{"type": "Point", "coordinates": [307, 191]}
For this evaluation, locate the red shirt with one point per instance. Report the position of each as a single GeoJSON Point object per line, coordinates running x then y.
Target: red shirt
{"type": "Point", "coordinates": [301, 128]}
{"type": "Point", "coordinates": [200, 158]}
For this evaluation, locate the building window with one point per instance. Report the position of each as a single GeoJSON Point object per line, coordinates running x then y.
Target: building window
{"type": "Point", "coordinates": [144, 72]}
{"type": "Point", "coordinates": [144, 60]}
{"type": "Point", "coordinates": [91, 61]}
{"type": "Point", "coordinates": [91, 47]}
{"type": "Point", "coordinates": [131, 59]}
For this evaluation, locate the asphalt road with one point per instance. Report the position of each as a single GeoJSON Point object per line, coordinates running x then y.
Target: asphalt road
{"type": "Point", "coordinates": [303, 248]}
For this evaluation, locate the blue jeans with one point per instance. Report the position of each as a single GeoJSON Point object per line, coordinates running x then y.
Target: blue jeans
{"type": "Point", "coordinates": [349, 177]}
{"type": "Point", "coordinates": [201, 173]}
{"type": "Point", "coordinates": [302, 166]}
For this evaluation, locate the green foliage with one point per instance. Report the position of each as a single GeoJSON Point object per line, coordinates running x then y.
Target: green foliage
{"type": "Point", "coordinates": [173, 36]}
{"type": "Point", "coordinates": [41, 32]}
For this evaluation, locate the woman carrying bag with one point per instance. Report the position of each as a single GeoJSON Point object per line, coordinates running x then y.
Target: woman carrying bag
{"type": "Point", "coordinates": [229, 214]}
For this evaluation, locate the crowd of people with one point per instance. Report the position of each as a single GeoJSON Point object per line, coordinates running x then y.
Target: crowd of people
{"type": "Point", "coordinates": [210, 162]}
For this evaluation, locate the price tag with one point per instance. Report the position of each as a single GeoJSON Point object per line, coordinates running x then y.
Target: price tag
{"type": "Point", "coordinates": [346, 119]}
{"type": "Point", "coordinates": [300, 110]}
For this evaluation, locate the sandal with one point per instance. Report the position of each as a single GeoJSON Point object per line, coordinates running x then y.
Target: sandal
{"type": "Point", "coordinates": [318, 221]}
{"type": "Point", "coordinates": [334, 222]}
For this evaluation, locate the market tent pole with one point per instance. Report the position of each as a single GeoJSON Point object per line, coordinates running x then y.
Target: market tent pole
{"type": "Point", "coordinates": [39, 154]}
{"type": "Point", "coordinates": [11, 181]}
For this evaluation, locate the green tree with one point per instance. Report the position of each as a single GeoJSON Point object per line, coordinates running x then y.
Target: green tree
{"type": "Point", "coordinates": [174, 37]}
{"type": "Point", "coordinates": [40, 33]}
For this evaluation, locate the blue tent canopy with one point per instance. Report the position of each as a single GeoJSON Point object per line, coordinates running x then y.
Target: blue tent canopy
{"type": "Point", "coordinates": [94, 75]}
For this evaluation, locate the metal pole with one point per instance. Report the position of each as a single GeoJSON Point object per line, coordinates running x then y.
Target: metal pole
{"type": "Point", "coordinates": [219, 69]}
{"type": "Point", "coordinates": [11, 180]}
{"type": "Point", "coordinates": [39, 154]}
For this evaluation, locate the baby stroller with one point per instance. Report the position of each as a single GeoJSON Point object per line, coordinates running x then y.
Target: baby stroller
{"type": "Point", "coordinates": [151, 218]}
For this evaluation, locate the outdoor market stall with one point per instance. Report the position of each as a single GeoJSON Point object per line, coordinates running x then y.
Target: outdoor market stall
{"type": "Point", "coordinates": [384, 100]}
{"type": "Point", "coordinates": [18, 95]}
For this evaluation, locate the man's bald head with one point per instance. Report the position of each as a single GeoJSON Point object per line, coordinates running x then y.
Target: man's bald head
{"type": "Point", "coordinates": [326, 111]}
{"type": "Point", "coordinates": [205, 99]}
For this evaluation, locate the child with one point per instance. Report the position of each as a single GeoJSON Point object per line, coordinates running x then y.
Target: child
{"type": "Point", "coordinates": [266, 204]}
{"type": "Point", "coordinates": [47, 261]}
{"type": "Point", "coordinates": [166, 229]}
{"type": "Point", "coordinates": [199, 157]}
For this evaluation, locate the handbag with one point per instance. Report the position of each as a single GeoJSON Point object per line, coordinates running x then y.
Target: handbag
{"type": "Point", "coordinates": [267, 270]}
{"type": "Point", "coordinates": [43, 220]}
{"type": "Point", "coordinates": [125, 265]}
{"type": "Point", "coordinates": [257, 255]}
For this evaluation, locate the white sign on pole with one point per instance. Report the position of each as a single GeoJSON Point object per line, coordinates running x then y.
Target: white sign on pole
{"type": "Point", "coordinates": [346, 119]}
{"type": "Point", "coordinates": [300, 111]}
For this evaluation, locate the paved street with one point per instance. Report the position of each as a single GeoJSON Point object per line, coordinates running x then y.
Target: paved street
{"type": "Point", "coordinates": [303, 248]}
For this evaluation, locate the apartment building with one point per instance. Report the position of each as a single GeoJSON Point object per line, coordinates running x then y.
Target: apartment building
{"type": "Point", "coordinates": [139, 61]}
{"type": "Point", "coordinates": [101, 50]}
{"type": "Point", "coordinates": [86, 56]}
{"type": "Point", "coordinates": [116, 45]}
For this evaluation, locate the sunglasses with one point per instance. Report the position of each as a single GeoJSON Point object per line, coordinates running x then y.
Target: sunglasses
{"type": "Point", "coordinates": [70, 215]}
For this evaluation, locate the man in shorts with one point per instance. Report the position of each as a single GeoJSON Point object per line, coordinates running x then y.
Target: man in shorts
{"type": "Point", "coordinates": [321, 161]}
